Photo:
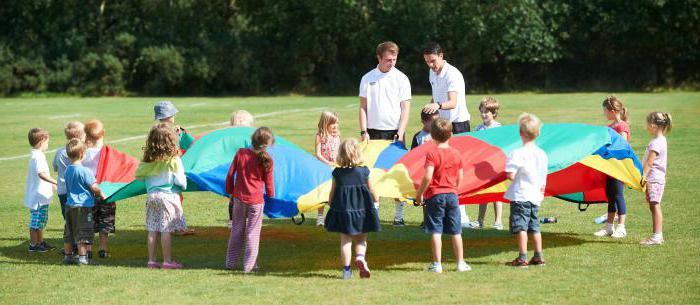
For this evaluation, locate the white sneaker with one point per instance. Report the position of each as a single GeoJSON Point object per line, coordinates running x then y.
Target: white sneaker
{"type": "Point", "coordinates": [320, 220]}
{"type": "Point", "coordinates": [474, 225]}
{"type": "Point", "coordinates": [603, 233]}
{"type": "Point", "coordinates": [435, 267]}
{"type": "Point", "coordinates": [347, 274]}
{"type": "Point", "coordinates": [651, 241]}
{"type": "Point", "coordinates": [498, 226]}
{"type": "Point", "coordinates": [619, 233]}
{"type": "Point", "coordinates": [463, 266]}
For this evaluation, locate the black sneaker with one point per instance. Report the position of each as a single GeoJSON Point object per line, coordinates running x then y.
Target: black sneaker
{"type": "Point", "coordinates": [70, 260]}
{"type": "Point", "coordinates": [47, 245]}
{"type": "Point", "coordinates": [399, 223]}
{"type": "Point", "coordinates": [38, 248]}
{"type": "Point", "coordinates": [103, 254]}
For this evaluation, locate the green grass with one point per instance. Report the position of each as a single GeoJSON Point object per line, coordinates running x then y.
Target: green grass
{"type": "Point", "coordinates": [300, 263]}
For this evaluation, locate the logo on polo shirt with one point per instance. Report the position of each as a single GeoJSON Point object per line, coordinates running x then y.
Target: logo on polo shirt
{"type": "Point", "coordinates": [372, 83]}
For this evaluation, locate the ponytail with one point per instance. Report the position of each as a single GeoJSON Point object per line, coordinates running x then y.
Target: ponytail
{"type": "Point", "coordinates": [261, 138]}
{"type": "Point", "coordinates": [668, 119]}
{"type": "Point", "coordinates": [661, 120]}
{"type": "Point", "coordinates": [264, 158]}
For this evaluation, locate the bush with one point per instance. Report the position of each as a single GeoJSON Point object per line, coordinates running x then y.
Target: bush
{"type": "Point", "coordinates": [98, 75]}
{"type": "Point", "coordinates": [159, 70]}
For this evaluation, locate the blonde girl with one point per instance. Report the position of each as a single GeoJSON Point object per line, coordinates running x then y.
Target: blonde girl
{"type": "Point", "coordinates": [327, 143]}
{"type": "Point", "coordinates": [655, 160]}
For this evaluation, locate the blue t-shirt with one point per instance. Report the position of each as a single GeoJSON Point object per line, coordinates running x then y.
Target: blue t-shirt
{"type": "Point", "coordinates": [78, 181]}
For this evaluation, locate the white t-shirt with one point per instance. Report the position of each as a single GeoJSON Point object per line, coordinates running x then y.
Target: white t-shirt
{"type": "Point", "coordinates": [38, 191]}
{"type": "Point", "coordinates": [92, 159]}
{"type": "Point", "coordinates": [384, 93]}
{"type": "Point", "coordinates": [529, 163]}
{"type": "Point", "coordinates": [450, 79]}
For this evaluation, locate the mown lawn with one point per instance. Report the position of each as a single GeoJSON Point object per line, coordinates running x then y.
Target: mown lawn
{"type": "Point", "coordinates": [300, 263]}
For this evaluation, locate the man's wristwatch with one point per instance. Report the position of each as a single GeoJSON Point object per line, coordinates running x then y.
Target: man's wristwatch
{"type": "Point", "coordinates": [364, 132]}
{"type": "Point", "coordinates": [439, 105]}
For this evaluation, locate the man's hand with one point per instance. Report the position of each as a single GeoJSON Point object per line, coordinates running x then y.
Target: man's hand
{"type": "Point", "coordinates": [365, 137]}
{"type": "Point", "coordinates": [431, 108]}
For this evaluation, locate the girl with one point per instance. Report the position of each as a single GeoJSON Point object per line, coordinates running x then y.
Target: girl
{"type": "Point", "coordinates": [164, 176]}
{"type": "Point", "coordinates": [250, 171]}
{"type": "Point", "coordinates": [615, 111]}
{"type": "Point", "coordinates": [327, 142]}
{"type": "Point", "coordinates": [655, 157]}
{"type": "Point", "coordinates": [352, 212]}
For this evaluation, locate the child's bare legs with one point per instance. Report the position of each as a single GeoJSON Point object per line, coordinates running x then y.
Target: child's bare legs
{"type": "Point", "coordinates": [657, 217]}
{"type": "Point", "coordinates": [458, 248]}
{"type": "Point", "coordinates": [345, 249]}
{"type": "Point", "coordinates": [436, 247]}
{"type": "Point", "coordinates": [360, 244]}
{"type": "Point", "coordinates": [165, 245]}
{"type": "Point", "coordinates": [522, 242]}
{"type": "Point", "coordinates": [320, 211]}
{"type": "Point", "coordinates": [482, 212]}
{"type": "Point", "coordinates": [103, 241]}
{"type": "Point", "coordinates": [152, 239]}
{"type": "Point", "coordinates": [34, 236]}
{"type": "Point", "coordinates": [82, 249]}
{"type": "Point", "coordinates": [498, 211]}
{"type": "Point", "coordinates": [536, 242]}
{"type": "Point", "coordinates": [67, 248]}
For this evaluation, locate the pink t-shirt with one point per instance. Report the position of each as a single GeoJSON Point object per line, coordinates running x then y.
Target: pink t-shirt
{"type": "Point", "coordinates": [657, 172]}
{"type": "Point", "coordinates": [621, 127]}
{"type": "Point", "coordinates": [329, 146]}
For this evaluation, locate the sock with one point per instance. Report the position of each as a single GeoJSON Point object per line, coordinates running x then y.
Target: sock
{"type": "Point", "coordinates": [537, 255]}
{"type": "Point", "coordinates": [610, 227]}
{"type": "Point", "coordinates": [658, 236]}
{"type": "Point", "coordinates": [399, 210]}
{"type": "Point", "coordinates": [522, 256]}
{"type": "Point", "coordinates": [346, 268]}
{"type": "Point", "coordinates": [360, 257]}
{"type": "Point", "coordinates": [83, 259]}
{"type": "Point", "coordinates": [463, 214]}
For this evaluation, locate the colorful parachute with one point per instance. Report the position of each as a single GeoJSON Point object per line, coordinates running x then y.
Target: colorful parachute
{"type": "Point", "coordinates": [115, 170]}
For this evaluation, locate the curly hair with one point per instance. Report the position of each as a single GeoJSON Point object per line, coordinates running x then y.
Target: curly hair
{"type": "Point", "coordinates": [162, 143]}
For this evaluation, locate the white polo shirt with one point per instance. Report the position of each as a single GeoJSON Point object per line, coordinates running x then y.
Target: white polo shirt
{"type": "Point", "coordinates": [450, 79]}
{"type": "Point", "coordinates": [384, 93]}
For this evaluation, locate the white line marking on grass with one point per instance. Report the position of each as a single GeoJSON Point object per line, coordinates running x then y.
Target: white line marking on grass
{"type": "Point", "coordinates": [197, 105]}
{"type": "Point", "coordinates": [139, 137]}
{"type": "Point", "coordinates": [351, 106]}
{"type": "Point", "coordinates": [64, 116]}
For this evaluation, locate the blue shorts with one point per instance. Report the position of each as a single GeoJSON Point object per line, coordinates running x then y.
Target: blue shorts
{"type": "Point", "coordinates": [38, 217]}
{"type": "Point", "coordinates": [442, 215]}
{"type": "Point", "coordinates": [523, 217]}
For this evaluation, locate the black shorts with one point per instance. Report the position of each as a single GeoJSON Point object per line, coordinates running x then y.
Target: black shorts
{"type": "Point", "coordinates": [79, 226]}
{"type": "Point", "coordinates": [376, 134]}
{"type": "Point", "coordinates": [460, 127]}
{"type": "Point", "coordinates": [104, 214]}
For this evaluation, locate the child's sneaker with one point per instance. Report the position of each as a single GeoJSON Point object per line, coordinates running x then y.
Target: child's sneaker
{"type": "Point", "coordinates": [463, 266]}
{"type": "Point", "coordinates": [87, 262]}
{"type": "Point", "coordinates": [473, 225]}
{"type": "Point", "coordinates": [498, 226]}
{"type": "Point", "coordinates": [536, 261]}
{"type": "Point", "coordinates": [103, 254]}
{"type": "Point", "coordinates": [40, 248]}
{"type": "Point", "coordinates": [361, 264]}
{"type": "Point", "coordinates": [604, 232]}
{"type": "Point", "coordinates": [171, 265]}
{"type": "Point", "coordinates": [347, 274]}
{"type": "Point", "coordinates": [619, 233]}
{"type": "Point", "coordinates": [399, 223]}
{"type": "Point", "coordinates": [651, 241]}
{"type": "Point", "coordinates": [153, 265]}
{"type": "Point", "coordinates": [47, 245]}
{"type": "Point", "coordinates": [89, 254]}
{"type": "Point", "coordinates": [518, 262]}
{"type": "Point", "coordinates": [70, 260]}
{"type": "Point", "coordinates": [320, 221]}
{"type": "Point", "coordinates": [435, 267]}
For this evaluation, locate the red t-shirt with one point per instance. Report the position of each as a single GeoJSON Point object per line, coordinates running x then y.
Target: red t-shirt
{"type": "Point", "coordinates": [447, 163]}
{"type": "Point", "coordinates": [250, 177]}
{"type": "Point", "coordinates": [621, 127]}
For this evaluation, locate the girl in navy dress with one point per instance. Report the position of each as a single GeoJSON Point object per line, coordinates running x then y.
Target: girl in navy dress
{"type": "Point", "coordinates": [352, 212]}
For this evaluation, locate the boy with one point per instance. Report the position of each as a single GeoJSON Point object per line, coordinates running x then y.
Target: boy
{"type": "Point", "coordinates": [443, 175]}
{"type": "Point", "coordinates": [39, 190]}
{"type": "Point", "coordinates": [73, 130]}
{"type": "Point", "coordinates": [527, 168]}
{"type": "Point", "coordinates": [489, 111]}
{"type": "Point", "coordinates": [80, 186]}
{"type": "Point", "coordinates": [423, 136]}
{"type": "Point", "coordinates": [104, 213]}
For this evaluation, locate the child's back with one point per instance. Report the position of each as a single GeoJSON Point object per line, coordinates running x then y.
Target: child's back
{"type": "Point", "coordinates": [249, 178]}
{"type": "Point", "coordinates": [447, 163]}
{"type": "Point", "coordinates": [79, 179]}
{"type": "Point", "coordinates": [529, 163]}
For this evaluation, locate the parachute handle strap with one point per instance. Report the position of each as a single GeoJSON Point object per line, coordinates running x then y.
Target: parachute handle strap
{"type": "Point", "coordinates": [583, 206]}
{"type": "Point", "coordinates": [298, 222]}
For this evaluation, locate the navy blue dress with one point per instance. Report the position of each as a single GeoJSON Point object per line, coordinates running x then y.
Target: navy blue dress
{"type": "Point", "coordinates": [352, 207]}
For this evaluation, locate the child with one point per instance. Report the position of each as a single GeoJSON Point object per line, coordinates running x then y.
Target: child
{"type": "Point", "coordinates": [615, 111]}
{"type": "Point", "coordinates": [352, 212]}
{"type": "Point", "coordinates": [39, 190]}
{"type": "Point", "coordinates": [165, 112]}
{"type": "Point", "coordinates": [443, 175]}
{"type": "Point", "coordinates": [164, 176]}
{"type": "Point", "coordinates": [527, 168]}
{"type": "Point", "coordinates": [104, 213]}
{"type": "Point", "coordinates": [239, 118]}
{"type": "Point", "coordinates": [80, 186]}
{"type": "Point", "coordinates": [327, 143]}
{"type": "Point", "coordinates": [655, 157]}
{"type": "Point", "coordinates": [73, 130]}
{"type": "Point", "coordinates": [489, 111]}
{"type": "Point", "coordinates": [251, 169]}
{"type": "Point", "coordinates": [423, 136]}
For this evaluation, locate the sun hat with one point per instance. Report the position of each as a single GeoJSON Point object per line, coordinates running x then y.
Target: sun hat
{"type": "Point", "coordinates": [164, 109]}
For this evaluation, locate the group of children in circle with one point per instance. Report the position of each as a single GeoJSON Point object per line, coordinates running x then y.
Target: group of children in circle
{"type": "Point", "coordinates": [353, 206]}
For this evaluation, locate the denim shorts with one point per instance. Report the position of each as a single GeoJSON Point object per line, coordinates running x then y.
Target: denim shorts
{"type": "Point", "coordinates": [442, 215]}
{"type": "Point", "coordinates": [523, 217]}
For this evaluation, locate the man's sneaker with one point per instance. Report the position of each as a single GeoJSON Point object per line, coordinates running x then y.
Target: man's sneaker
{"type": "Point", "coordinates": [347, 274]}
{"type": "Point", "coordinates": [536, 261]}
{"type": "Point", "coordinates": [399, 223]}
{"type": "Point", "coordinates": [463, 266]}
{"type": "Point", "coordinates": [652, 241]}
{"type": "Point", "coordinates": [498, 226]}
{"type": "Point", "coordinates": [435, 267]}
{"type": "Point", "coordinates": [361, 264]}
{"type": "Point", "coordinates": [47, 245]}
{"type": "Point", "coordinates": [518, 262]}
{"type": "Point", "coordinates": [103, 254]}
{"type": "Point", "coordinates": [70, 260]}
{"type": "Point", "coordinates": [604, 232]}
{"type": "Point", "coordinates": [320, 221]}
{"type": "Point", "coordinates": [619, 233]}
{"type": "Point", "coordinates": [473, 225]}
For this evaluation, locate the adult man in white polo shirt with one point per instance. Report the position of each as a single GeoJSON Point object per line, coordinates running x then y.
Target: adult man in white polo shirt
{"type": "Point", "coordinates": [385, 102]}
{"type": "Point", "coordinates": [448, 89]}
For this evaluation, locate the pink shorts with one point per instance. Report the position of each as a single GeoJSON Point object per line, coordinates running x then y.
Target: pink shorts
{"type": "Point", "coordinates": [654, 192]}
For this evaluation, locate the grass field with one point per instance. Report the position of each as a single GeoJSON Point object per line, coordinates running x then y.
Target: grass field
{"type": "Point", "coordinates": [300, 263]}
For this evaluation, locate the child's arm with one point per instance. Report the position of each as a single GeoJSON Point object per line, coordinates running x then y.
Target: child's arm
{"type": "Point", "coordinates": [270, 181]}
{"type": "Point", "coordinates": [460, 178]}
{"type": "Point", "coordinates": [97, 191]}
{"type": "Point", "coordinates": [647, 165]}
{"type": "Point", "coordinates": [230, 176]}
{"type": "Point", "coordinates": [180, 178]}
{"type": "Point", "coordinates": [46, 177]}
{"type": "Point", "coordinates": [319, 156]}
{"type": "Point", "coordinates": [429, 170]}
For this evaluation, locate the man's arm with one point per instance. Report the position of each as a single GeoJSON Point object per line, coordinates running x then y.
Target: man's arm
{"type": "Point", "coordinates": [363, 118]}
{"type": "Point", "coordinates": [403, 121]}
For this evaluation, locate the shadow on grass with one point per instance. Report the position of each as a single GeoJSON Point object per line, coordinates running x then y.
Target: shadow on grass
{"type": "Point", "coordinates": [294, 250]}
